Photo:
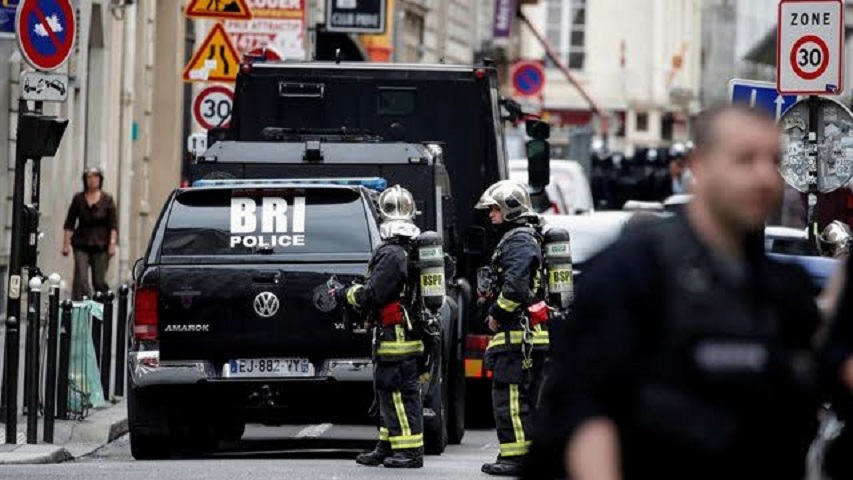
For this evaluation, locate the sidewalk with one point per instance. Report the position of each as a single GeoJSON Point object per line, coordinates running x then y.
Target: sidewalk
{"type": "Point", "coordinates": [72, 439]}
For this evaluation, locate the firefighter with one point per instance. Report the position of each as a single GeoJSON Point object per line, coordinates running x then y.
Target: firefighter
{"type": "Point", "coordinates": [386, 297]}
{"type": "Point", "coordinates": [517, 316]}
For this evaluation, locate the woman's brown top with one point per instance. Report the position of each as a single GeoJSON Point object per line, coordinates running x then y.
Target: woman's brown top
{"type": "Point", "coordinates": [91, 224]}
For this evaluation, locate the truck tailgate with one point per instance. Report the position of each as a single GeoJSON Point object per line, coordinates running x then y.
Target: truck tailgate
{"type": "Point", "coordinates": [223, 312]}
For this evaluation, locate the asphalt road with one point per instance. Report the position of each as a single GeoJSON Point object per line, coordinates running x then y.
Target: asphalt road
{"type": "Point", "coordinates": [289, 452]}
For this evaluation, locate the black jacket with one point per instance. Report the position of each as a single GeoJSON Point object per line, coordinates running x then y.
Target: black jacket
{"type": "Point", "coordinates": [517, 262]}
{"type": "Point", "coordinates": [605, 358]}
{"type": "Point", "coordinates": [387, 277]}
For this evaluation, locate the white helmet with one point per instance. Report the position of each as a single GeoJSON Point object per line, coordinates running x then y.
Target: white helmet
{"type": "Point", "coordinates": [397, 212]}
{"type": "Point", "coordinates": [510, 197]}
{"type": "Point", "coordinates": [396, 203]}
{"type": "Point", "coordinates": [834, 241]}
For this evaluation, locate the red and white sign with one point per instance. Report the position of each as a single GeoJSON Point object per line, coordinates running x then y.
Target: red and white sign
{"type": "Point", "coordinates": [212, 107]}
{"type": "Point", "coordinates": [279, 24]}
{"type": "Point", "coordinates": [810, 47]}
{"type": "Point", "coordinates": [45, 31]}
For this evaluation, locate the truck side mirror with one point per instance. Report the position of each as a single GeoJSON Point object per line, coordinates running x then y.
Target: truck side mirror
{"type": "Point", "coordinates": [538, 164]}
{"type": "Point", "coordinates": [137, 269]}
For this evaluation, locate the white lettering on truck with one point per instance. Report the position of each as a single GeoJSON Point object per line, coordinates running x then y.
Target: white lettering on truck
{"type": "Point", "coordinates": [276, 219]}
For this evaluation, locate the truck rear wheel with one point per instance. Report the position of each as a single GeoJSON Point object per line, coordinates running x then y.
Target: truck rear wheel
{"type": "Point", "coordinates": [149, 447]}
{"type": "Point", "coordinates": [435, 425]}
{"type": "Point", "coordinates": [456, 400]}
{"type": "Point", "coordinates": [148, 425]}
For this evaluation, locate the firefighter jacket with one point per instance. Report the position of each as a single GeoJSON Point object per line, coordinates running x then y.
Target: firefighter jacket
{"type": "Point", "coordinates": [517, 273]}
{"type": "Point", "coordinates": [385, 295]}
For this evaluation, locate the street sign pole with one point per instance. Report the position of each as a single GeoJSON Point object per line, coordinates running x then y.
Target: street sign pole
{"type": "Point", "coordinates": [813, 171]}
{"type": "Point", "coordinates": [13, 300]}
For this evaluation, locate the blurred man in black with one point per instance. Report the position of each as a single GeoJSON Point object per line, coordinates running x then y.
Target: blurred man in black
{"type": "Point", "coordinates": [689, 353]}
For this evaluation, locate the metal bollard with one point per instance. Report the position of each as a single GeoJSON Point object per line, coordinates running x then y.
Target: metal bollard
{"type": "Point", "coordinates": [52, 344]}
{"type": "Point", "coordinates": [64, 361]}
{"type": "Point", "coordinates": [121, 340]}
{"type": "Point", "coordinates": [96, 330]}
{"type": "Point", "coordinates": [107, 348]}
{"type": "Point", "coordinates": [33, 321]}
{"type": "Point", "coordinates": [13, 330]}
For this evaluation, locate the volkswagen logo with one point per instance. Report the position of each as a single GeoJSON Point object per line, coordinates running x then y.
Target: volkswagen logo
{"type": "Point", "coordinates": [266, 304]}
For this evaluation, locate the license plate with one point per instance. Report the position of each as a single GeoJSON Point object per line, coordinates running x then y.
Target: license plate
{"type": "Point", "coordinates": [270, 367]}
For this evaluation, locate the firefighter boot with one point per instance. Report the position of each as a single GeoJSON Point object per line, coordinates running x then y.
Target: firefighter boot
{"type": "Point", "coordinates": [503, 467]}
{"type": "Point", "coordinates": [376, 457]}
{"type": "Point", "coordinates": [408, 458]}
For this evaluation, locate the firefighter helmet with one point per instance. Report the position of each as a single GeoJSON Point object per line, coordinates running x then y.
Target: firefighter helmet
{"type": "Point", "coordinates": [834, 241]}
{"type": "Point", "coordinates": [396, 203]}
{"type": "Point", "coordinates": [510, 197]}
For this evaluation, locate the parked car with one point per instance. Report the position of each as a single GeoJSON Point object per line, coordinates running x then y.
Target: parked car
{"type": "Point", "coordinates": [569, 189]}
{"type": "Point", "coordinates": [591, 233]}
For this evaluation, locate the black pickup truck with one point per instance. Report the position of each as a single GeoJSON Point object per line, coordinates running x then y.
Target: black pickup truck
{"type": "Point", "coordinates": [232, 322]}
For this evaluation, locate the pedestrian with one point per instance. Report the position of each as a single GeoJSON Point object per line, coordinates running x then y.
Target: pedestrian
{"type": "Point", "coordinates": [91, 227]}
{"type": "Point", "coordinates": [689, 354]}
{"type": "Point", "coordinates": [837, 362]}
{"type": "Point", "coordinates": [385, 296]}
{"type": "Point", "coordinates": [516, 353]}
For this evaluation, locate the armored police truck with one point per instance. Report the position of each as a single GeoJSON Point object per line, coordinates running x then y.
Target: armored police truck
{"type": "Point", "coordinates": [459, 107]}
{"type": "Point", "coordinates": [434, 129]}
{"type": "Point", "coordinates": [233, 321]}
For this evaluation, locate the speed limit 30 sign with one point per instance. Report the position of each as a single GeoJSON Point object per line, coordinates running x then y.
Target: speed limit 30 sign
{"type": "Point", "coordinates": [212, 107]}
{"type": "Point", "coordinates": [810, 47]}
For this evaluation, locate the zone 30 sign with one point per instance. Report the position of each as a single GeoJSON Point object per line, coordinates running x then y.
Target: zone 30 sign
{"type": "Point", "coordinates": [810, 47]}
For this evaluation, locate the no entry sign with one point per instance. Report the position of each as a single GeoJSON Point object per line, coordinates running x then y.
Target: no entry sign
{"type": "Point", "coordinates": [212, 106]}
{"type": "Point", "coordinates": [810, 47]}
{"type": "Point", "coordinates": [46, 30]}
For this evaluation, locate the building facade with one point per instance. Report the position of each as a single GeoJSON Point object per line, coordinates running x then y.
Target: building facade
{"type": "Point", "coordinates": [638, 59]}
{"type": "Point", "coordinates": [124, 110]}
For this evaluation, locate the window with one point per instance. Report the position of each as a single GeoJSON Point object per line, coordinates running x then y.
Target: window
{"type": "Point", "coordinates": [566, 30]}
{"type": "Point", "coordinates": [398, 102]}
{"type": "Point", "coordinates": [269, 222]}
{"type": "Point", "coordinates": [642, 122]}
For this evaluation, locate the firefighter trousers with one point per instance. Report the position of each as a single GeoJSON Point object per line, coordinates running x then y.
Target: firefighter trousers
{"type": "Point", "coordinates": [515, 394]}
{"type": "Point", "coordinates": [401, 420]}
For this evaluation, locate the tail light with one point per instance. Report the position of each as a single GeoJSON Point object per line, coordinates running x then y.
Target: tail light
{"type": "Point", "coordinates": [477, 343]}
{"type": "Point", "coordinates": [145, 318]}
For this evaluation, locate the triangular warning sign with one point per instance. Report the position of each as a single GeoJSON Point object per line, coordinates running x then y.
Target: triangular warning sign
{"type": "Point", "coordinates": [215, 61]}
{"type": "Point", "coordinates": [225, 9]}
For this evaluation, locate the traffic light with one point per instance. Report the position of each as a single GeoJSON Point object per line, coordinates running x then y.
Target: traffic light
{"type": "Point", "coordinates": [39, 135]}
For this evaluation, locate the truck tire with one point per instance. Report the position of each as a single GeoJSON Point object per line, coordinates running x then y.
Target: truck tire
{"type": "Point", "coordinates": [149, 447]}
{"type": "Point", "coordinates": [143, 411]}
{"type": "Point", "coordinates": [456, 399]}
{"type": "Point", "coordinates": [435, 426]}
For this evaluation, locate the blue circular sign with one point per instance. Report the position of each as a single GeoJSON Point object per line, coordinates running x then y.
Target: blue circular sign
{"type": "Point", "coordinates": [528, 78]}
